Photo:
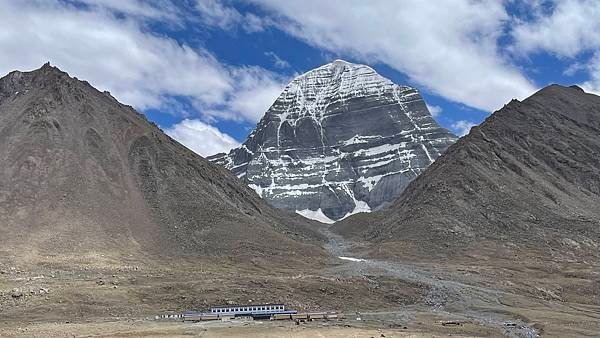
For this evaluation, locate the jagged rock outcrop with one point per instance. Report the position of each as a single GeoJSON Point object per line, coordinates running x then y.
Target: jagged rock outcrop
{"type": "Point", "coordinates": [339, 140]}
{"type": "Point", "coordinates": [80, 172]}
{"type": "Point", "coordinates": [529, 176]}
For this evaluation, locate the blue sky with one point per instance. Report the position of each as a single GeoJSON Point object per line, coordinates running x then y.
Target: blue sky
{"type": "Point", "coordinates": [205, 71]}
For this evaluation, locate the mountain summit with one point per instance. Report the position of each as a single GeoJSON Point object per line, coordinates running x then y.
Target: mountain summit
{"type": "Point", "coordinates": [340, 139]}
{"type": "Point", "coordinates": [528, 176]}
{"type": "Point", "coordinates": [83, 173]}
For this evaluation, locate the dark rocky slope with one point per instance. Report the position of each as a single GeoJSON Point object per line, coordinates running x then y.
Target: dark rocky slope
{"type": "Point", "coordinates": [339, 140]}
{"type": "Point", "coordinates": [80, 172]}
{"type": "Point", "coordinates": [528, 176]}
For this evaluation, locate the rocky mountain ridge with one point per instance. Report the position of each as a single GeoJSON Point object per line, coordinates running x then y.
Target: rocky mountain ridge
{"type": "Point", "coordinates": [340, 139]}
{"type": "Point", "coordinates": [83, 173]}
{"type": "Point", "coordinates": [526, 177]}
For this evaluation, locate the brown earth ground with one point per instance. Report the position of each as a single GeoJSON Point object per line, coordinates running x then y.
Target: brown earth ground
{"type": "Point", "coordinates": [395, 295]}
{"type": "Point", "coordinates": [247, 329]}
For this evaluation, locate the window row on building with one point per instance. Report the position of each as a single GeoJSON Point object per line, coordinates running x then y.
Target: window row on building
{"type": "Point", "coordinates": [248, 309]}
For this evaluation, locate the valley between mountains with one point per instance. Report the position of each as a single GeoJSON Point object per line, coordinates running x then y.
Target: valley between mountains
{"type": "Point", "coordinates": [107, 221]}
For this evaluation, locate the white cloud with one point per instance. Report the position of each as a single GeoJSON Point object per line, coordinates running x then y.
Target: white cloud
{"type": "Point", "coordinates": [462, 128]}
{"type": "Point", "coordinates": [434, 110]}
{"type": "Point", "coordinates": [277, 61]}
{"type": "Point", "coordinates": [163, 10]}
{"type": "Point", "coordinates": [450, 47]}
{"type": "Point", "coordinates": [570, 28]}
{"type": "Point", "coordinates": [215, 13]}
{"type": "Point", "coordinates": [574, 68]}
{"type": "Point", "coordinates": [201, 138]}
{"type": "Point", "coordinates": [256, 89]}
{"type": "Point", "coordinates": [117, 53]}
{"type": "Point", "coordinates": [593, 84]}
{"type": "Point", "coordinates": [252, 23]}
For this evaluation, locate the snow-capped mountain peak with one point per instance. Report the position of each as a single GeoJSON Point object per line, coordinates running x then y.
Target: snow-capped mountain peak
{"type": "Point", "coordinates": [342, 78]}
{"type": "Point", "coordinates": [340, 139]}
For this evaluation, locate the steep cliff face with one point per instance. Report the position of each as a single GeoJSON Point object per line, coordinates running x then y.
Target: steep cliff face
{"type": "Point", "coordinates": [339, 140]}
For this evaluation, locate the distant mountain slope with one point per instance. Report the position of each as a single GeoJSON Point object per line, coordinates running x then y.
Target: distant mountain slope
{"type": "Point", "coordinates": [81, 172]}
{"type": "Point", "coordinates": [529, 175]}
{"type": "Point", "coordinates": [340, 139]}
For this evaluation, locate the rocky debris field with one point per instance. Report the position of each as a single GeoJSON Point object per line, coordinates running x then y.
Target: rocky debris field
{"type": "Point", "coordinates": [425, 297]}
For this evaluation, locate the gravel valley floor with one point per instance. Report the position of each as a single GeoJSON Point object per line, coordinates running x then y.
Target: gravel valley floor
{"type": "Point", "coordinates": [115, 296]}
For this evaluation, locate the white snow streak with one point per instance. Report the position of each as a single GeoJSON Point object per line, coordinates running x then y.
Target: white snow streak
{"type": "Point", "coordinates": [352, 259]}
{"type": "Point", "coordinates": [318, 215]}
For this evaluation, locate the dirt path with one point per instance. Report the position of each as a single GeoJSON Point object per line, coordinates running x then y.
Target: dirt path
{"type": "Point", "coordinates": [449, 295]}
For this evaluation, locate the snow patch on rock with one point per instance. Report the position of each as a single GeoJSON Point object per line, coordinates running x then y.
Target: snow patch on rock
{"type": "Point", "coordinates": [352, 259]}
{"type": "Point", "coordinates": [317, 215]}
{"type": "Point", "coordinates": [339, 140]}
